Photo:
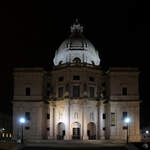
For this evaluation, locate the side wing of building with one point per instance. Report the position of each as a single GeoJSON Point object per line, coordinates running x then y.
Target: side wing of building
{"type": "Point", "coordinates": [29, 102]}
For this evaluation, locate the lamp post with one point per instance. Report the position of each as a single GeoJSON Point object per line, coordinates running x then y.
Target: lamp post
{"type": "Point", "coordinates": [147, 132]}
{"type": "Point", "coordinates": [127, 121]}
{"type": "Point", "coordinates": [22, 121]}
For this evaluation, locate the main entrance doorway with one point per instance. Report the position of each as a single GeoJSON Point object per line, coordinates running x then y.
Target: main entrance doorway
{"type": "Point", "coordinates": [91, 131]}
{"type": "Point", "coordinates": [76, 131]}
{"type": "Point", "coordinates": [60, 131]}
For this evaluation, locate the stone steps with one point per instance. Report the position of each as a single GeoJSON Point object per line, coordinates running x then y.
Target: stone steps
{"type": "Point", "coordinates": [77, 141]}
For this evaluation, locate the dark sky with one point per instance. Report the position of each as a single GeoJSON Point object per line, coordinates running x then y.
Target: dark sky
{"type": "Point", "coordinates": [31, 31]}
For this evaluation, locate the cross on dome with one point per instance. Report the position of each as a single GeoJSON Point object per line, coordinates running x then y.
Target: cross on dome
{"type": "Point", "coordinates": [76, 27]}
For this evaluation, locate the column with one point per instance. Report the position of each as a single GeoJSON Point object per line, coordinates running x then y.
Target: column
{"type": "Point", "coordinates": [101, 121]}
{"type": "Point", "coordinates": [84, 122]}
{"type": "Point", "coordinates": [98, 121]}
{"type": "Point", "coordinates": [67, 122]}
{"type": "Point", "coordinates": [52, 120]}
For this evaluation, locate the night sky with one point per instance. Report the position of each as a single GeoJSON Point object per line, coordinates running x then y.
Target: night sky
{"type": "Point", "coordinates": [31, 31]}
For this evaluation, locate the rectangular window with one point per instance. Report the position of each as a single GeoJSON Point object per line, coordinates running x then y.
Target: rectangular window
{"type": "Point", "coordinates": [60, 79]}
{"type": "Point", "coordinates": [91, 91]}
{"type": "Point", "coordinates": [76, 91]}
{"type": "Point", "coordinates": [48, 93]}
{"type": "Point", "coordinates": [48, 85]}
{"type": "Point", "coordinates": [104, 116]}
{"type": "Point", "coordinates": [124, 115]}
{"type": "Point", "coordinates": [48, 116]}
{"type": "Point", "coordinates": [91, 79]}
{"type": "Point", "coordinates": [104, 128]}
{"type": "Point", "coordinates": [27, 128]}
{"type": "Point", "coordinates": [28, 91]}
{"type": "Point", "coordinates": [60, 92]}
{"type": "Point", "coordinates": [124, 91]}
{"type": "Point", "coordinates": [113, 119]}
{"type": "Point", "coordinates": [103, 84]}
{"type": "Point", "coordinates": [27, 115]}
{"type": "Point", "coordinates": [76, 77]}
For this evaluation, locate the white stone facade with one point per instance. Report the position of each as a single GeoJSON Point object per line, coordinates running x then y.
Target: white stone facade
{"type": "Point", "coordinates": [84, 112]}
{"type": "Point", "coordinates": [76, 100]}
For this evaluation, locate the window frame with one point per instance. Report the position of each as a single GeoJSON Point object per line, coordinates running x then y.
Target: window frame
{"type": "Point", "coordinates": [124, 115]}
{"type": "Point", "coordinates": [91, 79]}
{"type": "Point", "coordinates": [76, 78]}
{"type": "Point", "coordinates": [91, 95]}
{"type": "Point", "coordinates": [61, 78]}
{"type": "Point", "coordinates": [124, 91]}
{"type": "Point", "coordinates": [28, 116]}
{"type": "Point", "coordinates": [48, 116]}
{"type": "Point", "coordinates": [75, 91]}
{"type": "Point", "coordinates": [60, 93]}
{"type": "Point", "coordinates": [104, 116]}
{"type": "Point", "coordinates": [113, 119]}
{"type": "Point", "coordinates": [28, 91]}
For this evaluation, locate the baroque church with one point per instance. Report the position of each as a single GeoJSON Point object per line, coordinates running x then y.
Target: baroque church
{"type": "Point", "coordinates": [76, 99]}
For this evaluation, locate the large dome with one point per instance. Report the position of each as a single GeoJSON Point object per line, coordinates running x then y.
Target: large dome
{"type": "Point", "coordinates": [76, 49]}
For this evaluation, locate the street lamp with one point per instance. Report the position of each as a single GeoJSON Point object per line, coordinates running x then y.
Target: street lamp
{"type": "Point", "coordinates": [147, 132]}
{"type": "Point", "coordinates": [22, 121]}
{"type": "Point", "coordinates": [127, 121]}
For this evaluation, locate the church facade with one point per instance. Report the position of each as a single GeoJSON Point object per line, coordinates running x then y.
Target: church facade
{"type": "Point", "coordinates": [76, 99]}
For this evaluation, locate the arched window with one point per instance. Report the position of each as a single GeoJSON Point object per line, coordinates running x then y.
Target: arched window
{"type": "Point", "coordinates": [60, 131]}
{"type": "Point", "coordinates": [91, 131]}
{"type": "Point", "coordinates": [76, 60]}
{"type": "Point", "coordinates": [92, 62]}
{"type": "Point", "coordinates": [60, 62]}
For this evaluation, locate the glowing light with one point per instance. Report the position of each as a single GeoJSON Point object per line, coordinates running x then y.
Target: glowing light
{"type": "Point", "coordinates": [2, 129]}
{"type": "Point", "coordinates": [22, 120]}
{"type": "Point", "coordinates": [146, 131]}
{"type": "Point", "coordinates": [127, 120]}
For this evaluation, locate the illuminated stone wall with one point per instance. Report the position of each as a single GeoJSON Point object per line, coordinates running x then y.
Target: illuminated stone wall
{"type": "Point", "coordinates": [53, 116]}
{"type": "Point", "coordinates": [32, 78]}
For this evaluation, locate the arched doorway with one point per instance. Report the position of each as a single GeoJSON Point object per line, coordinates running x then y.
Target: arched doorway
{"type": "Point", "coordinates": [76, 127]}
{"type": "Point", "coordinates": [76, 60]}
{"type": "Point", "coordinates": [91, 131]}
{"type": "Point", "coordinates": [60, 131]}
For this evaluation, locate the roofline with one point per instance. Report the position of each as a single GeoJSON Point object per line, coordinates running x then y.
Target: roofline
{"type": "Point", "coordinates": [28, 69]}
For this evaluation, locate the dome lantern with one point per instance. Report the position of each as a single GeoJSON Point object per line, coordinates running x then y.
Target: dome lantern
{"type": "Point", "coordinates": [76, 27]}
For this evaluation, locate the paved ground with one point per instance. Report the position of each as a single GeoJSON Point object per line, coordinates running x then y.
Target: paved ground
{"type": "Point", "coordinates": [140, 146]}
{"type": "Point", "coordinates": [71, 145]}
{"type": "Point", "coordinates": [79, 148]}
{"type": "Point", "coordinates": [74, 145]}
{"type": "Point", "coordinates": [7, 146]}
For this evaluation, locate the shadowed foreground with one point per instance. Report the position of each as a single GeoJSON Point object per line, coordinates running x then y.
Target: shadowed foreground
{"type": "Point", "coordinates": [7, 146]}
{"type": "Point", "coordinates": [79, 148]}
{"type": "Point", "coordinates": [74, 145]}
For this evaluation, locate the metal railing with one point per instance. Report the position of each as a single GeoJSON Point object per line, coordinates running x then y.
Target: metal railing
{"type": "Point", "coordinates": [7, 137]}
{"type": "Point", "coordinates": [93, 137]}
